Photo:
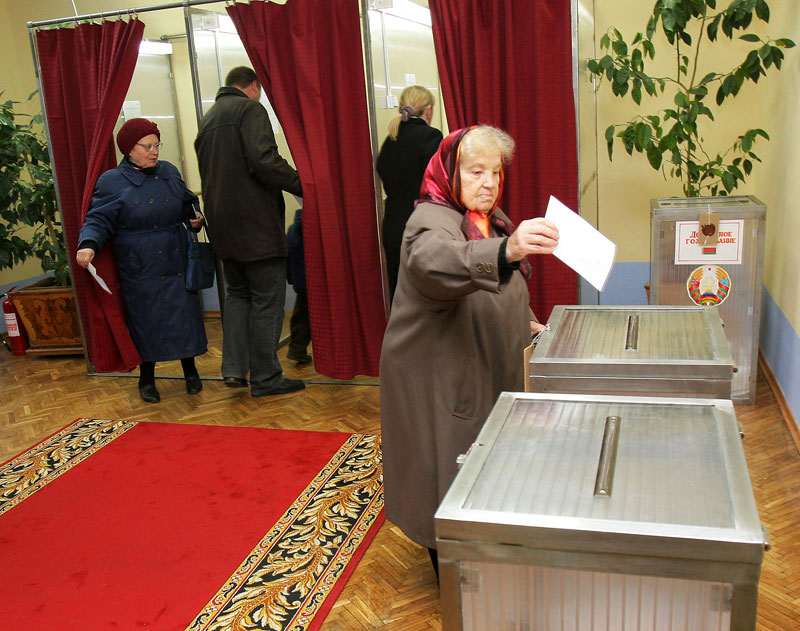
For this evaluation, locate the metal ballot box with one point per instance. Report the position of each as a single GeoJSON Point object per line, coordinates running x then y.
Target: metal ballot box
{"type": "Point", "coordinates": [633, 350]}
{"type": "Point", "coordinates": [601, 514]}
{"type": "Point", "coordinates": [725, 277]}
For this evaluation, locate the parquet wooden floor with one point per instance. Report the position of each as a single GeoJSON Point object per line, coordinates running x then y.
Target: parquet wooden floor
{"type": "Point", "coordinates": [394, 587]}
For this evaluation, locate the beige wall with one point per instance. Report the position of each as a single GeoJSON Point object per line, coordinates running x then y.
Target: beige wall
{"type": "Point", "coordinates": [777, 181]}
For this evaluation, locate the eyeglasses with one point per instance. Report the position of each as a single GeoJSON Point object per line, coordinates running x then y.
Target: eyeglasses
{"type": "Point", "coordinates": [154, 147]}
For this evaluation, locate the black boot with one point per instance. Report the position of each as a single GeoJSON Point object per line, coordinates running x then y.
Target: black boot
{"type": "Point", "coordinates": [149, 393]}
{"type": "Point", "coordinates": [193, 383]}
{"type": "Point", "coordinates": [147, 383]}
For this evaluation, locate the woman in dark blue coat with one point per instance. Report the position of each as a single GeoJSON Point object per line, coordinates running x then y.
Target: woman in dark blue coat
{"type": "Point", "coordinates": [141, 207]}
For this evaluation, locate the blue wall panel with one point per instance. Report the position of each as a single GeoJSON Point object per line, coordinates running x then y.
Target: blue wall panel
{"type": "Point", "coordinates": [780, 346]}
{"type": "Point", "coordinates": [625, 286]}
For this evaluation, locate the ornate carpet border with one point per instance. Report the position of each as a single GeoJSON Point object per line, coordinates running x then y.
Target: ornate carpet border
{"type": "Point", "coordinates": [32, 470]}
{"type": "Point", "coordinates": [285, 579]}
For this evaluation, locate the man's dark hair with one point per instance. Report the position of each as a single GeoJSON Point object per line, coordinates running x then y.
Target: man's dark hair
{"type": "Point", "coordinates": [240, 77]}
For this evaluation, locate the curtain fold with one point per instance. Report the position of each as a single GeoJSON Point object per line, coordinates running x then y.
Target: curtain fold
{"type": "Point", "coordinates": [307, 55]}
{"type": "Point", "coordinates": [85, 74]}
{"type": "Point", "coordinates": [509, 64]}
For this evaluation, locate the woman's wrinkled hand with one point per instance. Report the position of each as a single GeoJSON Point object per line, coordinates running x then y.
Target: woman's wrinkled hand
{"type": "Point", "coordinates": [532, 236]}
{"type": "Point", "coordinates": [84, 257]}
{"type": "Point", "coordinates": [536, 327]}
{"type": "Point", "coordinates": [196, 223]}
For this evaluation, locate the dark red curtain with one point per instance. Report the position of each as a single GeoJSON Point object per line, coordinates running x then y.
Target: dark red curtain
{"type": "Point", "coordinates": [85, 73]}
{"type": "Point", "coordinates": [509, 64]}
{"type": "Point", "coordinates": [307, 55]}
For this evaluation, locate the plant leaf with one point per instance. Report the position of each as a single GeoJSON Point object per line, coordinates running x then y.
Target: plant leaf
{"type": "Point", "coordinates": [643, 135]}
{"type": "Point", "coordinates": [610, 139]}
{"type": "Point", "coordinates": [762, 10]}
{"type": "Point", "coordinates": [708, 78]}
{"type": "Point", "coordinates": [654, 156]}
{"type": "Point", "coordinates": [713, 27]}
{"type": "Point", "coordinates": [628, 138]}
{"type": "Point", "coordinates": [728, 181]}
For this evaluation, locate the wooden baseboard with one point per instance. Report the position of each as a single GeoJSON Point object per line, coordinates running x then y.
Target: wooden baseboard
{"type": "Point", "coordinates": [780, 399]}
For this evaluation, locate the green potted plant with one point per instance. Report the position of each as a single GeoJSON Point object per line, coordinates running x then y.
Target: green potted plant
{"type": "Point", "coordinates": [31, 228]}
{"type": "Point", "coordinates": [672, 138]}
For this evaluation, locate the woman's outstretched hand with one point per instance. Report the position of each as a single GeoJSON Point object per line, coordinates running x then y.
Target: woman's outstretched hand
{"type": "Point", "coordinates": [532, 236]}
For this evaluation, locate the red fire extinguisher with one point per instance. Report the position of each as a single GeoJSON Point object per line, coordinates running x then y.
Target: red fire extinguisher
{"type": "Point", "coordinates": [16, 332]}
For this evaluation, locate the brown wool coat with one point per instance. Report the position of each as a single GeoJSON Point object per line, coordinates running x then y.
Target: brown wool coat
{"type": "Point", "coordinates": [453, 343]}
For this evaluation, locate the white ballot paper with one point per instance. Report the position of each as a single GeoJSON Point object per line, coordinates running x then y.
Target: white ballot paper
{"type": "Point", "coordinates": [100, 281]}
{"type": "Point", "coordinates": [580, 245]}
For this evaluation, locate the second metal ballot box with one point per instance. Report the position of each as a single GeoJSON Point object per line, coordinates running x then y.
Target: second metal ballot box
{"type": "Point", "coordinates": [601, 514]}
{"type": "Point", "coordinates": [635, 350]}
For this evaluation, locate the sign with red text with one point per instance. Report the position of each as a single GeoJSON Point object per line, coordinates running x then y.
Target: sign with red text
{"type": "Point", "coordinates": [689, 251]}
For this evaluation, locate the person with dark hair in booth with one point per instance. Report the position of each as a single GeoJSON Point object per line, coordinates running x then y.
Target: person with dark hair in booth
{"type": "Point", "coordinates": [243, 177]}
{"type": "Point", "coordinates": [141, 207]}
{"type": "Point", "coordinates": [299, 324]}
{"type": "Point", "coordinates": [401, 164]}
{"type": "Point", "coordinates": [459, 323]}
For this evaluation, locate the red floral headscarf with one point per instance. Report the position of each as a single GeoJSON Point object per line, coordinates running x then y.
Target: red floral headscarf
{"type": "Point", "coordinates": [441, 185]}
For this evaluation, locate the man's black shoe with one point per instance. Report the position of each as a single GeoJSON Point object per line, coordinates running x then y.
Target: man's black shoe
{"type": "Point", "coordinates": [285, 386]}
{"type": "Point", "coordinates": [193, 384]}
{"type": "Point", "coordinates": [149, 393]}
{"type": "Point", "coordinates": [235, 382]}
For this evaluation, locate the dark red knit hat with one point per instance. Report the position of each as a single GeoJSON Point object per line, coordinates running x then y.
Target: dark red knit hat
{"type": "Point", "coordinates": [133, 131]}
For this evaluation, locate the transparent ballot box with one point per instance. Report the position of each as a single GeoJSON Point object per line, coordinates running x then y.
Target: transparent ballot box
{"type": "Point", "coordinates": [725, 277]}
{"type": "Point", "coordinates": [601, 513]}
{"type": "Point", "coordinates": [633, 350]}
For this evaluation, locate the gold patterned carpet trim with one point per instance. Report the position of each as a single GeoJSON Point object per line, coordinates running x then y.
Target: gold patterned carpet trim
{"type": "Point", "coordinates": [284, 581]}
{"type": "Point", "coordinates": [53, 457]}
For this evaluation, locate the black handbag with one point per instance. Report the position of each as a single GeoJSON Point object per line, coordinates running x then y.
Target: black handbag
{"type": "Point", "coordinates": [200, 265]}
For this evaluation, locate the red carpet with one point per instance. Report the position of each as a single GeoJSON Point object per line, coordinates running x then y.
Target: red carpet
{"type": "Point", "coordinates": [113, 525]}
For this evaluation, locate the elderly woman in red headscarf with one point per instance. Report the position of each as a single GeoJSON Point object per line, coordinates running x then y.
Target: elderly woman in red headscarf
{"type": "Point", "coordinates": [458, 326]}
{"type": "Point", "coordinates": [140, 208]}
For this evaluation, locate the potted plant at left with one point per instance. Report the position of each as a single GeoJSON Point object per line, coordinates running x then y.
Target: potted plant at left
{"type": "Point", "coordinates": [31, 228]}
